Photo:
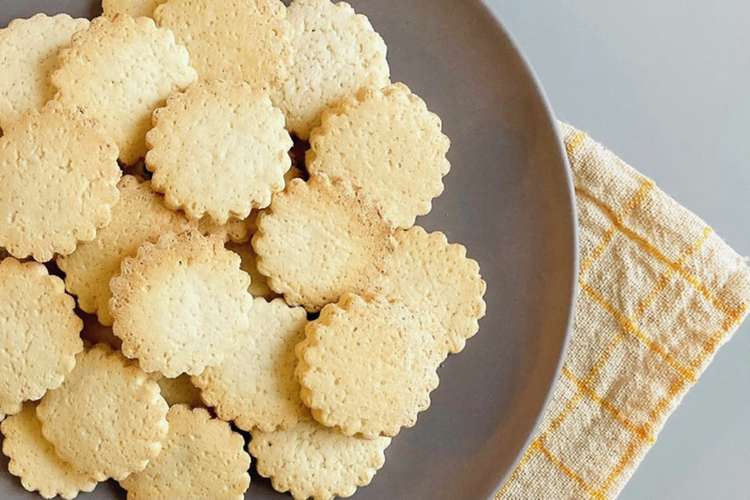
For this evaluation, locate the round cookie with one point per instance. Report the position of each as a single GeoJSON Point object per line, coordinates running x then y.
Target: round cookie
{"type": "Point", "coordinates": [258, 283]}
{"type": "Point", "coordinates": [119, 71]}
{"type": "Point", "coordinates": [58, 183]}
{"type": "Point", "coordinates": [235, 230]}
{"type": "Point", "coordinates": [124, 415]}
{"type": "Point", "coordinates": [389, 144]}
{"type": "Point", "coordinates": [34, 461]}
{"type": "Point", "coordinates": [39, 333]}
{"type": "Point", "coordinates": [235, 40]}
{"type": "Point", "coordinates": [319, 240]}
{"type": "Point", "coordinates": [312, 461]}
{"type": "Point", "coordinates": [28, 53]}
{"type": "Point", "coordinates": [132, 8]}
{"type": "Point", "coordinates": [367, 367]}
{"type": "Point", "coordinates": [439, 283]}
{"type": "Point", "coordinates": [180, 304]}
{"type": "Point", "coordinates": [180, 390]}
{"type": "Point", "coordinates": [255, 385]}
{"type": "Point", "coordinates": [140, 216]}
{"type": "Point", "coordinates": [336, 53]}
{"type": "Point", "coordinates": [201, 458]}
{"type": "Point", "coordinates": [219, 149]}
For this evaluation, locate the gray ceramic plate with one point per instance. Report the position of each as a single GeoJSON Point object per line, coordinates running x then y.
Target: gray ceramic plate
{"type": "Point", "coordinates": [508, 198]}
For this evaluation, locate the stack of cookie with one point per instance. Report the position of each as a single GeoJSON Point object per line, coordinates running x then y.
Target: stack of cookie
{"type": "Point", "coordinates": [241, 290]}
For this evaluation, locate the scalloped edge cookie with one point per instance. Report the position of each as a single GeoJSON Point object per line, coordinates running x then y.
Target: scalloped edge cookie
{"type": "Point", "coordinates": [39, 333]}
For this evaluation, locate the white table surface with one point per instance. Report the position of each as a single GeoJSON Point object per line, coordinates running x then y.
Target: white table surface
{"type": "Point", "coordinates": [666, 85]}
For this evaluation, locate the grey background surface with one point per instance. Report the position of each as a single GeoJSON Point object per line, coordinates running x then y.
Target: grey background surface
{"type": "Point", "coordinates": [666, 85]}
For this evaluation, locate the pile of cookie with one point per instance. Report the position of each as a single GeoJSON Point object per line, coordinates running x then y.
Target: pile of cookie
{"type": "Point", "coordinates": [241, 293]}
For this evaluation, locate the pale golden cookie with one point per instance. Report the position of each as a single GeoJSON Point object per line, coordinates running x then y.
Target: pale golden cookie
{"type": "Point", "coordinates": [132, 8]}
{"type": "Point", "coordinates": [312, 461]}
{"type": "Point", "coordinates": [389, 144]}
{"type": "Point", "coordinates": [180, 304]}
{"type": "Point", "coordinates": [336, 53]}
{"type": "Point", "coordinates": [118, 71]}
{"type": "Point", "coordinates": [235, 230]}
{"type": "Point", "coordinates": [201, 458]}
{"type": "Point", "coordinates": [439, 283]}
{"type": "Point", "coordinates": [255, 385]}
{"type": "Point", "coordinates": [140, 216]}
{"type": "Point", "coordinates": [58, 183]}
{"type": "Point", "coordinates": [34, 461]}
{"type": "Point", "coordinates": [258, 283]}
{"type": "Point", "coordinates": [107, 419]}
{"type": "Point", "coordinates": [319, 240]}
{"type": "Point", "coordinates": [96, 333]}
{"type": "Point", "coordinates": [180, 390]}
{"type": "Point", "coordinates": [39, 333]}
{"type": "Point", "coordinates": [235, 40]}
{"type": "Point", "coordinates": [367, 367]}
{"type": "Point", "coordinates": [28, 53]}
{"type": "Point", "coordinates": [219, 149]}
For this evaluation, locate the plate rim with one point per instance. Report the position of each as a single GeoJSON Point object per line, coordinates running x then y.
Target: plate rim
{"type": "Point", "coordinates": [572, 213]}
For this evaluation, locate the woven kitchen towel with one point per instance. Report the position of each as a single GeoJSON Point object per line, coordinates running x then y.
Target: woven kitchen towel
{"type": "Point", "coordinates": [659, 294]}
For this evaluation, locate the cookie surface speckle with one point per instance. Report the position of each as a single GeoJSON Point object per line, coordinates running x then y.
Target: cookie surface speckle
{"type": "Point", "coordinates": [132, 8]}
{"type": "Point", "coordinates": [201, 458]}
{"type": "Point", "coordinates": [28, 54]}
{"type": "Point", "coordinates": [58, 183]}
{"type": "Point", "coordinates": [219, 149]}
{"type": "Point", "coordinates": [180, 303]}
{"type": "Point", "coordinates": [138, 217]}
{"type": "Point", "coordinates": [312, 461]}
{"type": "Point", "coordinates": [34, 461]}
{"type": "Point", "coordinates": [389, 144]}
{"type": "Point", "coordinates": [234, 40]}
{"type": "Point", "coordinates": [255, 385]}
{"type": "Point", "coordinates": [367, 366]}
{"type": "Point", "coordinates": [39, 333]}
{"type": "Point", "coordinates": [117, 72]}
{"type": "Point", "coordinates": [438, 282]}
{"type": "Point", "coordinates": [124, 415]}
{"type": "Point", "coordinates": [319, 240]}
{"type": "Point", "coordinates": [336, 53]}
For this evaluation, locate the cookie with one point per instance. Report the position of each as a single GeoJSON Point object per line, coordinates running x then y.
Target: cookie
{"type": "Point", "coordinates": [319, 240]}
{"type": "Point", "coordinates": [124, 415]}
{"type": "Point", "coordinates": [39, 333]}
{"type": "Point", "coordinates": [312, 461]}
{"type": "Point", "coordinates": [234, 40]}
{"type": "Point", "coordinates": [439, 283]}
{"type": "Point", "coordinates": [255, 385]}
{"type": "Point", "coordinates": [28, 53]}
{"type": "Point", "coordinates": [96, 333]}
{"type": "Point", "coordinates": [201, 458]}
{"type": "Point", "coordinates": [34, 461]}
{"type": "Point", "coordinates": [180, 390]}
{"type": "Point", "coordinates": [219, 149]}
{"type": "Point", "coordinates": [367, 367]}
{"type": "Point", "coordinates": [180, 304]}
{"type": "Point", "coordinates": [235, 230]}
{"type": "Point", "coordinates": [119, 71]}
{"type": "Point", "coordinates": [258, 283]}
{"type": "Point", "coordinates": [388, 143]}
{"type": "Point", "coordinates": [132, 8]}
{"type": "Point", "coordinates": [336, 53]}
{"type": "Point", "coordinates": [140, 216]}
{"type": "Point", "coordinates": [58, 183]}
